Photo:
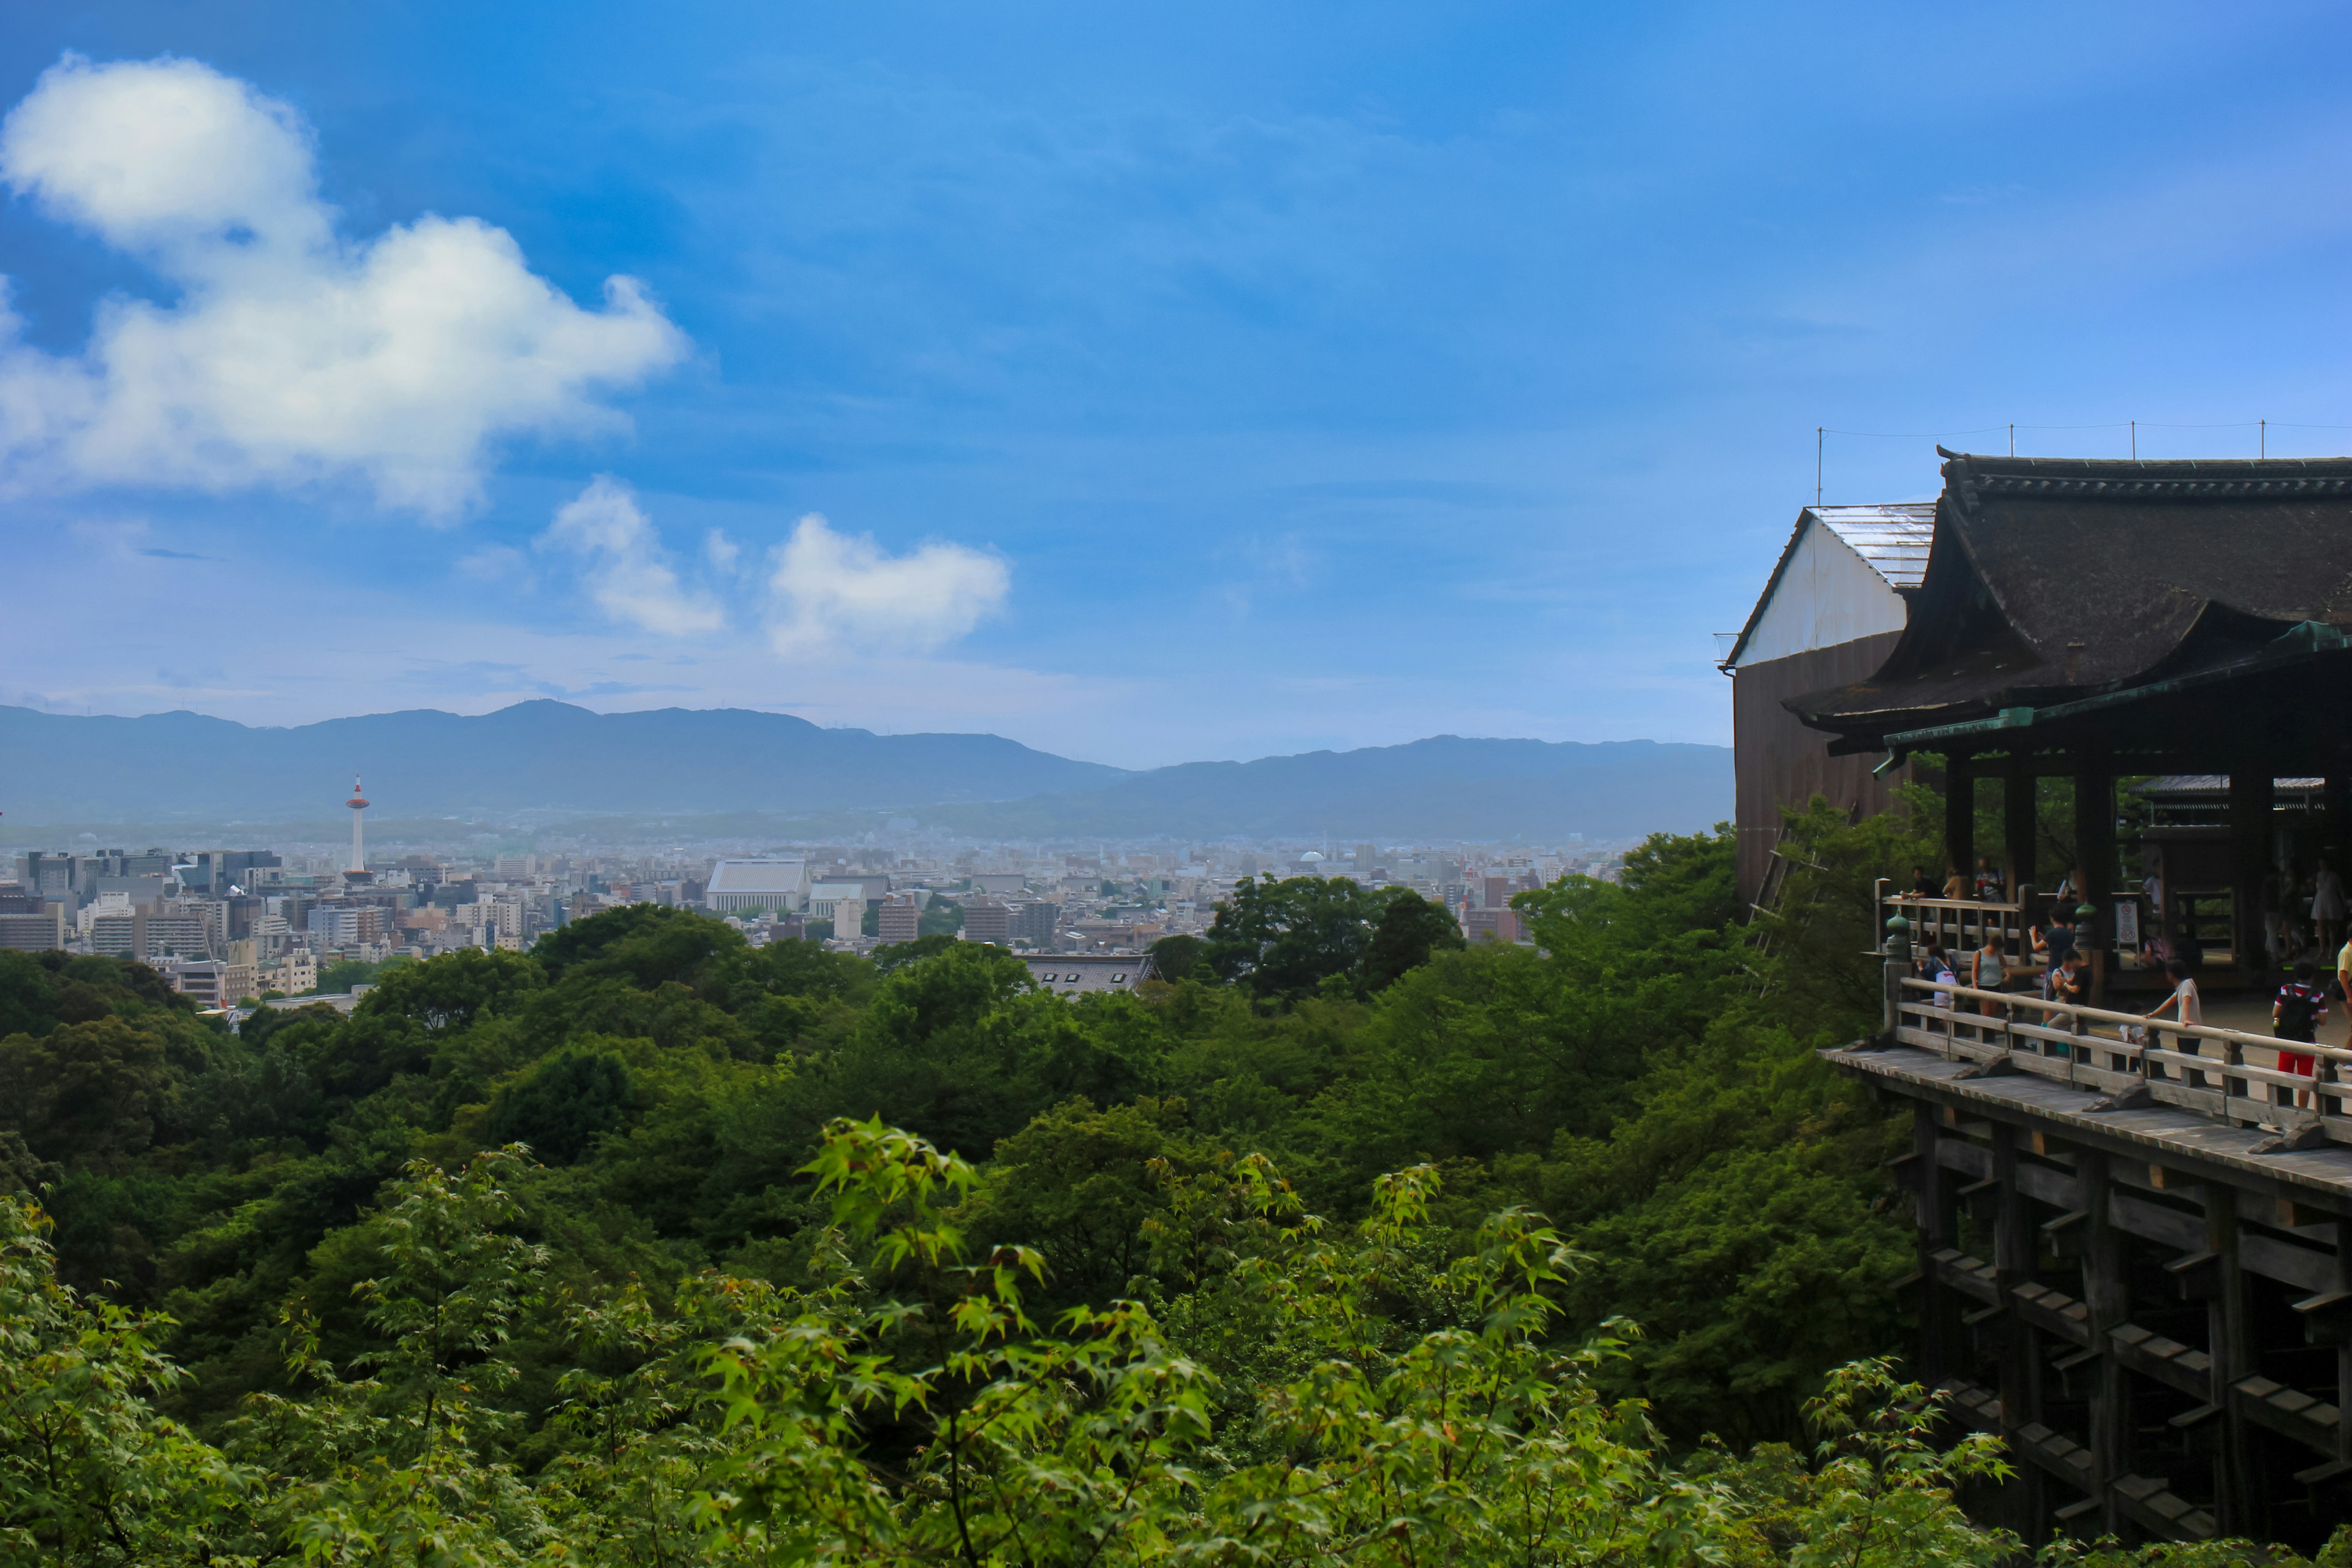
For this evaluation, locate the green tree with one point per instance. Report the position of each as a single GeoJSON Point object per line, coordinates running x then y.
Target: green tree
{"type": "Point", "coordinates": [1180, 957]}
{"type": "Point", "coordinates": [91, 1473]}
{"type": "Point", "coordinates": [1410, 930]}
{"type": "Point", "coordinates": [1284, 938]}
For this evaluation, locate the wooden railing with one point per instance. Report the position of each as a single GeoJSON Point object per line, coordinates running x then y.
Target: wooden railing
{"type": "Point", "coordinates": [1960, 924]}
{"type": "Point", "coordinates": [2195, 1067]}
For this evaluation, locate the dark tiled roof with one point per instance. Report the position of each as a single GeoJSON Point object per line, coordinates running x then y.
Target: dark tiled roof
{"type": "Point", "coordinates": [2057, 579]}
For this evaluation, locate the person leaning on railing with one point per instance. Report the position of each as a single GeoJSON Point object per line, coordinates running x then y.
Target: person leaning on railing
{"type": "Point", "coordinates": [2070, 983]}
{"type": "Point", "coordinates": [2187, 1004]}
{"type": "Point", "coordinates": [2296, 1013]}
{"type": "Point", "coordinates": [1988, 971]}
{"type": "Point", "coordinates": [1958, 886]}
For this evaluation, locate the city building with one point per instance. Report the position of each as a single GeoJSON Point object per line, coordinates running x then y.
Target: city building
{"type": "Point", "coordinates": [30, 923]}
{"type": "Point", "coordinates": [842, 902]}
{"type": "Point", "coordinates": [736, 885]}
{"type": "Point", "coordinates": [985, 919]}
{"type": "Point", "coordinates": [900, 918]}
{"type": "Point", "coordinates": [1035, 923]}
{"type": "Point", "coordinates": [1492, 924]}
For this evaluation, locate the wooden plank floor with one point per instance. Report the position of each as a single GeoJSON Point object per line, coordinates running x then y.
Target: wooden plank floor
{"type": "Point", "coordinates": [2160, 1131]}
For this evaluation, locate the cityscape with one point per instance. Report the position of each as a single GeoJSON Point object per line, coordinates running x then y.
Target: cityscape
{"type": "Point", "coordinates": [302, 922]}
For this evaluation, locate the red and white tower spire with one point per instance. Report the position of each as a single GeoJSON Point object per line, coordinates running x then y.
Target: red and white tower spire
{"type": "Point", "coordinates": [357, 803]}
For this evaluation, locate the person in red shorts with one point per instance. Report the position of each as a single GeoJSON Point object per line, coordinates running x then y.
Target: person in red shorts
{"type": "Point", "coordinates": [2296, 1014]}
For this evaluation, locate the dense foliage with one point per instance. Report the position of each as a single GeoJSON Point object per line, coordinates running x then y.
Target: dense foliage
{"type": "Point", "coordinates": [614, 1251]}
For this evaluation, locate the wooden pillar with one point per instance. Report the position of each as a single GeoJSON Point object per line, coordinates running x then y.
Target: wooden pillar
{"type": "Point", "coordinates": [2229, 1338]}
{"type": "Point", "coordinates": [2013, 1252]}
{"type": "Point", "coordinates": [1938, 1316]}
{"type": "Point", "coordinates": [1960, 811]}
{"type": "Point", "coordinates": [2344, 1345]}
{"type": "Point", "coordinates": [2251, 808]}
{"type": "Point", "coordinates": [2335, 802]}
{"type": "Point", "coordinates": [2094, 858]}
{"type": "Point", "coordinates": [2019, 824]}
{"type": "Point", "coordinates": [2106, 1290]}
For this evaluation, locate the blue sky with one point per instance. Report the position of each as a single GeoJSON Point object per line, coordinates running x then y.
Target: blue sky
{"type": "Point", "coordinates": [1166, 381]}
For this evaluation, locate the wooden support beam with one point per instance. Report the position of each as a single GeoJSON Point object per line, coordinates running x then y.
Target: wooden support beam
{"type": "Point", "coordinates": [2229, 1338]}
{"type": "Point", "coordinates": [1960, 811]}
{"type": "Point", "coordinates": [2020, 827]}
{"type": "Point", "coordinates": [2250, 806]}
{"type": "Point", "coordinates": [2013, 1252]}
{"type": "Point", "coordinates": [2094, 864]}
{"type": "Point", "coordinates": [1939, 1338]}
{"type": "Point", "coordinates": [2106, 1290]}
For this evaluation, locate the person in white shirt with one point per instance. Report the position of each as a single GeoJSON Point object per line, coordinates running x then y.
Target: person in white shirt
{"type": "Point", "coordinates": [2187, 1004]}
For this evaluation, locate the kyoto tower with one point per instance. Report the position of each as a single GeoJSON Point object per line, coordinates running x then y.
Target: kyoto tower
{"type": "Point", "coordinates": [357, 803]}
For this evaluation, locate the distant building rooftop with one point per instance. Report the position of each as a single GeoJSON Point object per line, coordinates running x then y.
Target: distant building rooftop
{"type": "Point", "coordinates": [1068, 974]}
{"type": "Point", "coordinates": [758, 876]}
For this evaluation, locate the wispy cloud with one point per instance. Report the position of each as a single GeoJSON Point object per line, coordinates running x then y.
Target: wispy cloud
{"type": "Point", "coordinates": [627, 572]}
{"type": "Point", "coordinates": [830, 592]}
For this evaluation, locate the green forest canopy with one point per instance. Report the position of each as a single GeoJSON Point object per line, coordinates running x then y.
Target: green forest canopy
{"type": "Point", "coordinates": [648, 1246]}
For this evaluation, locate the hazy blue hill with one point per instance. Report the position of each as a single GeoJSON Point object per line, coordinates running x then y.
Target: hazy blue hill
{"type": "Point", "coordinates": [1443, 787]}
{"type": "Point", "coordinates": [547, 761]}
{"type": "Point", "coordinates": [532, 757]}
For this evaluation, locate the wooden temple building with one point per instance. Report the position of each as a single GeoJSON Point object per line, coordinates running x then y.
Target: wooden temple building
{"type": "Point", "coordinates": [2135, 1241]}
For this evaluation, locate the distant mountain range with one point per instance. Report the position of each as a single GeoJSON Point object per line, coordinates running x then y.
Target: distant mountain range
{"type": "Point", "coordinates": [1444, 787]}
{"type": "Point", "coordinates": [545, 762]}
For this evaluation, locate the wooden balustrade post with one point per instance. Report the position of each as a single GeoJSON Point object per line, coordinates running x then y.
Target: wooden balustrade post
{"type": "Point", "coordinates": [1897, 965]}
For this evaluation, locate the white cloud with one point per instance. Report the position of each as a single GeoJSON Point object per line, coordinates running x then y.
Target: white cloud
{"type": "Point", "coordinates": [627, 572]}
{"type": "Point", "coordinates": [830, 590]}
{"type": "Point", "coordinates": [290, 354]}
{"type": "Point", "coordinates": [721, 550]}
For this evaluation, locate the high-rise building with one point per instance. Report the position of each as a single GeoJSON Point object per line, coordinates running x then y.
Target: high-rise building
{"type": "Point", "coordinates": [899, 920]}
{"type": "Point", "coordinates": [32, 924]}
{"type": "Point", "coordinates": [985, 919]}
{"type": "Point", "coordinates": [1034, 923]}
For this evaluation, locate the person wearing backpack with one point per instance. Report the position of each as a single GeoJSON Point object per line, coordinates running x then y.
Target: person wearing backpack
{"type": "Point", "coordinates": [2296, 1014]}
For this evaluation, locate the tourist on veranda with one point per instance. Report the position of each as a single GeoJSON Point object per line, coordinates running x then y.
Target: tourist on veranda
{"type": "Point", "coordinates": [2343, 983]}
{"type": "Point", "coordinates": [1957, 884]}
{"type": "Point", "coordinates": [2053, 941]}
{"type": "Point", "coordinates": [1940, 971]}
{"type": "Point", "coordinates": [1992, 886]}
{"type": "Point", "coordinates": [1923, 886]}
{"type": "Point", "coordinates": [2327, 907]}
{"type": "Point", "coordinates": [1988, 971]}
{"type": "Point", "coordinates": [2071, 983]}
{"type": "Point", "coordinates": [2187, 1004]}
{"type": "Point", "coordinates": [2296, 1014]}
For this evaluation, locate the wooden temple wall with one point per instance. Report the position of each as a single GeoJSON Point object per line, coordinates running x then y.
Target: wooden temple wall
{"type": "Point", "coordinates": [1778, 761]}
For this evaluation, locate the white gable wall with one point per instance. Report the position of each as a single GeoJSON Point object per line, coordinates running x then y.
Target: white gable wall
{"type": "Point", "coordinates": [1828, 596]}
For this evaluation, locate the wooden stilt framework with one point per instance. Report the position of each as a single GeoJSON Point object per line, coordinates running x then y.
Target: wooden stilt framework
{"type": "Point", "coordinates": [2134, 1264]}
